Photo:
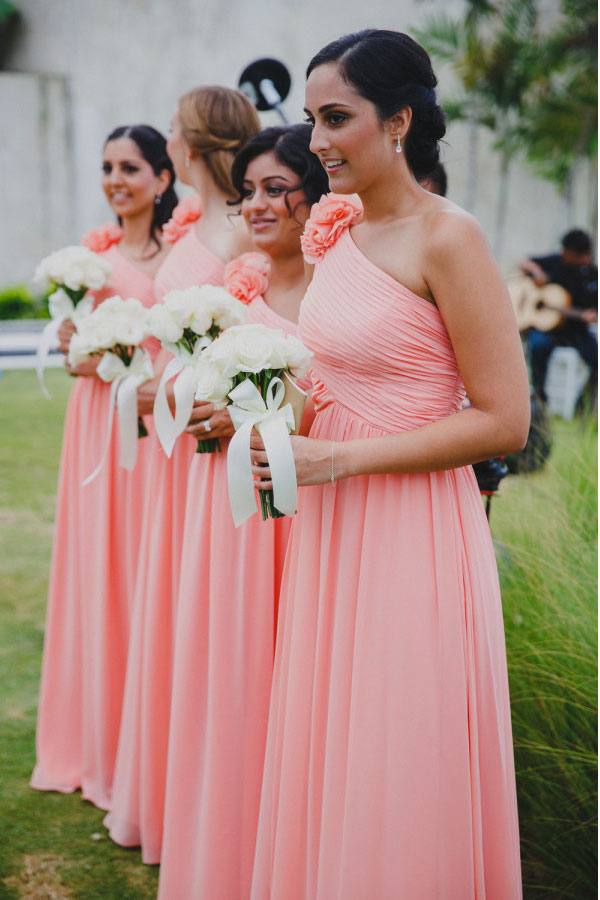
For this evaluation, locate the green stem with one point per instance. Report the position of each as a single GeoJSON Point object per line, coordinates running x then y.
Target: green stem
{"type": "Point", "coordinates": [209, 445]}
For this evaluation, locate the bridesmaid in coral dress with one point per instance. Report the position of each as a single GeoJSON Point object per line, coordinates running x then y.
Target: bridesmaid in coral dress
{"type": "Point", "coordinates": [210, 124]}
{"type": "Point", "coordinates": [230, 576]}
{"type": "Point", "coordinates": [98, 525]}
{"type": "Point", "coordinates": [389, 767]}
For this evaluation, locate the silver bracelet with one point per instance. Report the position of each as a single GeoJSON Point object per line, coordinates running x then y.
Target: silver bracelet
{"type": "Point", "coordinates": [332, 475]}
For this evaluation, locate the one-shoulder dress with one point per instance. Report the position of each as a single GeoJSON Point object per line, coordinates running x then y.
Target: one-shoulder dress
{"type": "Point", "coordinates": [224, 649]}
{"type": "Point", "coordinates": [389, 769]}
{"type": "Point", "coordinates": [136, 811]}
{"type": "Point", "coordinates": [94, 563]}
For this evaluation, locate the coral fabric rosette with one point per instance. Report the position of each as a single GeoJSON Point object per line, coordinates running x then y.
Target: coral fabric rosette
{"type": "Point", "coordinates": [115, 329]}
{"type": "Point", "coordinates": [103, 238]}
{"type": "Point", "coordinates": [185, 323]}
{"type": "Point", "coordinates": [328, 219]}
{"type": "Point", "coordinates": [184, 215]}
{"type": "Point", "coordinates": [257, 359]}
{"type": "Point", "coordinates": [247, 276]}
{"type": "Point", "coordinates": [72, 272]}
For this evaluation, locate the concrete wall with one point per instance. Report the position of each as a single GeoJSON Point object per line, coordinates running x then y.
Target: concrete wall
{"type": "Point", "coordinates": [81, 67]}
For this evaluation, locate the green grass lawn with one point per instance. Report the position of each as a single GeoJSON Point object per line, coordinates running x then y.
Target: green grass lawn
{"type": "Point", "coordinates": [54, 846]}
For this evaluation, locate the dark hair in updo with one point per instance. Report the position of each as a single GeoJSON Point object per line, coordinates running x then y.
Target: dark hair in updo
{"type": "Point", "coordinates": [291, 145]}
{"type": "Point", "coordinates": [153, 147]}
{"type": "Point", "coordinates": [392, 71]}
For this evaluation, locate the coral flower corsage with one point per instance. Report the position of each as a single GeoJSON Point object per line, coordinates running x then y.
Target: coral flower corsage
{"type": "Point", "coordinates": [184, 215]}
{"type": "Point", "coordinates": [247, 276]}
{"type": "Point", "coordinates": [328, 219]}
{"type": "Point", "coordinates": [102, 238]}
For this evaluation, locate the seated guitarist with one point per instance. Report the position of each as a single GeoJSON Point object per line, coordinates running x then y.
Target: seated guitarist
{"type": "Point", "coordinates": [572, 269]}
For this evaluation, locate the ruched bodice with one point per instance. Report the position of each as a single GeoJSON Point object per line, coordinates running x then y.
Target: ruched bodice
{"type": "Point", "coordinates": [189, 262]}
{"type": "Point", "coordinates": [391, 362]}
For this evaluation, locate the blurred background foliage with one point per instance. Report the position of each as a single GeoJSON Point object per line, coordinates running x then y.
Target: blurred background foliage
{"type": "Point", "coordinates": [529, 78]}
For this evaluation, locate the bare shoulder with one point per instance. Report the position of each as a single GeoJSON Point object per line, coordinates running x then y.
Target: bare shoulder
{"type": "Point", "coordinates": [451, 229]}
{"type": "Point", "coordinates": [459, 266]}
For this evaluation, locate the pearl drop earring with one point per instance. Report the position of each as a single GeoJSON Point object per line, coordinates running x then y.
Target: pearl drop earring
{"type": "Point", "coordinates": [187, 162]}
{"type": "Point", "coordinates": [398, 146]}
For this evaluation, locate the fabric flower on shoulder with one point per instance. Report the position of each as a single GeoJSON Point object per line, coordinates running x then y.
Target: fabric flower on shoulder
{"type": "Point", "coordinates": [328, 219]}
{"type": "Point", "coordinates": [247, 276]}
{"type": "Point", "coordinates": [184, 215]}
{"type": "Point", "coordinates": [100, 239]}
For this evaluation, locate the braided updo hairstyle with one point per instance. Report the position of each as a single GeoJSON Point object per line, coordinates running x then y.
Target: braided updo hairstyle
{"type": "Point", "coordinates": [216, 122]}
{"type": "Point", "coordinates": [391, 70]}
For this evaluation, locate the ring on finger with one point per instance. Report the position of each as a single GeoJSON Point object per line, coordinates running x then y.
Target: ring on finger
{"type": "Point", "coordinates": [206, 424]}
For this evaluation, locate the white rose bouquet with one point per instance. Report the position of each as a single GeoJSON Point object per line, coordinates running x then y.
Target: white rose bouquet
{"type": "Point", "coordinates": [72, 271]}
{"type": "Point", "coordinates": [75, 270]}
{"type": "Point", "coordinates": [185, 323]}
{"type": "Point", "coordinates": [258, 361]}
{"type": "Point", "coordinates": [116, 328]}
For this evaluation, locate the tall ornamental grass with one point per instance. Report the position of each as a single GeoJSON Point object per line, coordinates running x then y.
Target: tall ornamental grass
{"type": "Point", "coordinates": [545, 527]}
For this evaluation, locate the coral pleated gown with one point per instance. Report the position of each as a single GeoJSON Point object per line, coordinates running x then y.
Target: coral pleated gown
{"type": "Point", "coordinates": [94, 564]}
{"type": "Point", "coordinates": [224, 650]}
{"type": "Point", "coordinates": [136, 812]}
{"type": "Point", "coordinates": [389, 768]}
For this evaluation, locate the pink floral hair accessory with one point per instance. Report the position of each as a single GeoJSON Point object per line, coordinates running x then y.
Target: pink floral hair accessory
{"type": "Point", "coordinates": [100, 239]}
{"type": "Point", "coordinates": [247, 276]}
{"type": "Point", "coordinates": [184, 215]}
{"type": "Point", "coordinates": [328, 219]}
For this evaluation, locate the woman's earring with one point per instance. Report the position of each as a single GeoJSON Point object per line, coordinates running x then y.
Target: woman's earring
{"type": "Point", "coordinates": [187, 162]}
{"type": "Point", "coordinates": [157, 199]}
{"type": "Point", "coordinates": [398, 146]}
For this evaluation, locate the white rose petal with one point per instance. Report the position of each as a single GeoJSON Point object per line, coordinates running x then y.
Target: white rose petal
{"type": "Point", "coordinates": [162, 325]}
{"type": "Point", "coordinates": [211, 386]}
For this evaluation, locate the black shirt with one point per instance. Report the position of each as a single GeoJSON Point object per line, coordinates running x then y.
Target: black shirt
{"type": "Point", "coordinates": [581, 282]}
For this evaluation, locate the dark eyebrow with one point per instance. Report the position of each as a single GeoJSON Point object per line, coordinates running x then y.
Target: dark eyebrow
{"type": "Point", "coordinates": [327, 107]}
{"type": "Point", "coordinates": [276, 177]}
{"type": "Point", "coordinates": [269, 178]}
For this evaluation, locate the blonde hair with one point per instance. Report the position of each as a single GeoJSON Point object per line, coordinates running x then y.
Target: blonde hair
{"type": "Point", "coordinates": [216, 122]}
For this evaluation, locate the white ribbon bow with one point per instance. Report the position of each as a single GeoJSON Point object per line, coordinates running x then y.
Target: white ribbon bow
{"type": "Point", "coordinates": [125, 382]}
{"type": "Point", "coordinates": [273, 422]}
{"type": "Point", "coordinates": [169, 426]}
{"type": "Point", "coordinates": [61, 307]}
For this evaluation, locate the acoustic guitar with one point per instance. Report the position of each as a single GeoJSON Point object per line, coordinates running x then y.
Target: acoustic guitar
{"type": "Point", "coordinates": [544, 308]}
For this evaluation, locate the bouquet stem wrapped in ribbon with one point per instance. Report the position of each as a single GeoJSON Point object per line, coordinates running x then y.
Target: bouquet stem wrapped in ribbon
{"type": "Point", "coordinates": [258, 402]}
{"type": "Point", "coordinates": [116, 328]}
{"type": "Point", "coordinates": [73, 271]}
{"type": "Point", "coordinates": [258, 360]}
{"type": "Point", "coordinates": [186, 323]}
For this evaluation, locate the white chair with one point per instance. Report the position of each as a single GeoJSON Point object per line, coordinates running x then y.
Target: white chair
{"type": "Point", "coordinates": [566, 376]}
